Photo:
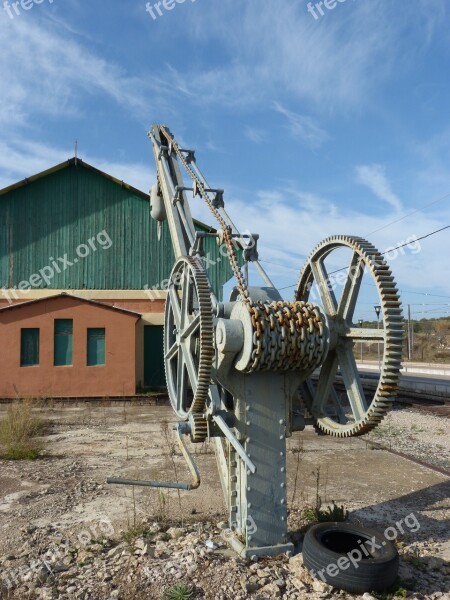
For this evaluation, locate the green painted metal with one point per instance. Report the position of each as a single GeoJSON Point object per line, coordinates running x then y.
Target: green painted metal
{"type": "Point", "coordinates": [63, 343]}
{"type": "Point", "coordinates": [154, 374]}
{"type": "Point", "coordinates": [77, 228]}
{"type": "Point", "coordinates": [96, 352]}
{"type": "Point", "coordinates": [29, 347]}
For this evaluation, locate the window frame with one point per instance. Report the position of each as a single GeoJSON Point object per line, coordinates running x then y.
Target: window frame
{"type": "Point", "coordinates": [89, 349]}
{"type": "Point", "coordinates": [58, 336]}
{"type": "Point", "coordinates": [35, 351]}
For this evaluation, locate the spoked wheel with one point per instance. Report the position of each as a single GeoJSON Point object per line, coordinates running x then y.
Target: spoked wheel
{"type": "Point", "coordinates": [352, 415]}
{"type": "Point", "coordinates": [188, 342]}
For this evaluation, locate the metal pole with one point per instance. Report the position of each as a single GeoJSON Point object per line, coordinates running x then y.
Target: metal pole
{"type": "Point", "coordinates": [409, 332]}
{"type": "Point", "coordinates": [361, 324]}
{"type": "Point", "coordinates": [378, 312]}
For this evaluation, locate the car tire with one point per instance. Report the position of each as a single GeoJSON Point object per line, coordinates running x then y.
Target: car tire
{"type": "Point", "coordinates": [350, 558]}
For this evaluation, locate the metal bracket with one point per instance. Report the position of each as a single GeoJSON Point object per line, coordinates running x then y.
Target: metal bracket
{"type": "Point", "coordinates": [190, 155]}
{"type": "Point", "coordinates": [163, 152]}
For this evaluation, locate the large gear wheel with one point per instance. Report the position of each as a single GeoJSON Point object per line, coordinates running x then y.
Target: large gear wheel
{"type": "Point", "coordinates": [322, 401]}
{"type": "Point", "coordinates": [188, 339]}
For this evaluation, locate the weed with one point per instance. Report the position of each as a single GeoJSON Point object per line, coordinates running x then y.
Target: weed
{"type": "Point", "coordinates": [171, 450]}
{"type": "Point", "coordinates": [18, 432]}
{"type": "Point", "coordinates": [398, 590]}
{"type": "Point", "coordinates": [416, 561]}
{"type": "Point", "coordinates": [334, 513]}
{"type": "Point", "coordinates": [298, 450]}
{"type": "Point", "coordinates": [134, 533]}
{"type": "Point", "coordinates": [179, 592]}
{"type": "Point", "coordinates": [314, 514]}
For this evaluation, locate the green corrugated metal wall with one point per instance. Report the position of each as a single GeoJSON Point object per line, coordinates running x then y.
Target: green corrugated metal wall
{"type": "Point", "coordinates": [50, 217]}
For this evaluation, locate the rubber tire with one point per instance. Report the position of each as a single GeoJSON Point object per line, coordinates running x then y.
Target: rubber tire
{"type": "Point", "coordinates": [326, 543]}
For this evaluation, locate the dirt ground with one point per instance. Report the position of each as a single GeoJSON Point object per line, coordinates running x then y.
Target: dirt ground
{"type": "Point", "coordinates": [86, 443]}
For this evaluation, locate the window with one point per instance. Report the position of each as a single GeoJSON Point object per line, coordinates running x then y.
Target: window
{"type": "Point", "coordinates": [29, 347]}
{"type": "Point", "coordinates": [95, 347]}
{"type": "Point", "coordinates": [63, 342]}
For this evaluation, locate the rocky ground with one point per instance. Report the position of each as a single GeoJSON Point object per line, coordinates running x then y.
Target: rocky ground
{"type": "Point", "coordinates": [65, 534]}
{"type": "Point", "coordinates": [417, 434]}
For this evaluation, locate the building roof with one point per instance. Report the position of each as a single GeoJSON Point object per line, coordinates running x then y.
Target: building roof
{"type": "Point", "coordinates": [78, 162]}
{"type": "Point", "coordinates": [126, 311]}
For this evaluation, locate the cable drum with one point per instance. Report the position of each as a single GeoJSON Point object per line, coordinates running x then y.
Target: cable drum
{"type": "Point", "coordinates": [285, 336]}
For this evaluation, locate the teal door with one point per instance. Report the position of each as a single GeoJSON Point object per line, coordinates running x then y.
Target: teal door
{"type": "Point", "coordinates": [154, 375]}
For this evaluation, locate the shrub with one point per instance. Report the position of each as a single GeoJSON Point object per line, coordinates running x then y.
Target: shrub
{"type": "Point", "coordinates": [18, 431]}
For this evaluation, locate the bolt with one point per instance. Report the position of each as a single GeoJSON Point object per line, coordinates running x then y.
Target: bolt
{"type": "Point", "coordinates": [289, 553]}
{"type": "Point", "coordinates": [248, 407]}
{"type": "Point", "coordinates": [281, 437]}
{"type": "Point", "coordinates": [254, 558]}
{"type": "Point", "coordinates": [282, 422]}
{"type": "Point", "coordinates": [248, 440]}
{"type": "Point", "coordinates": [283, 469]}
{"type": "Point", "coordinates": [282, 485]}
{"type": "Point", "coordinates": [281, 453]}
{"type": "Point", "coordinates": [248, 423]}
{"type": "Point", "coordinates": [283, 518]}
{"type": "Point", "coordinates": [282, 501]}
{"type": "Point", "coordinates": [249, 489]}
{"type": "Point", "coordinates": [249, 538]}
{"type": "Point", "coordinates": [249, 505]}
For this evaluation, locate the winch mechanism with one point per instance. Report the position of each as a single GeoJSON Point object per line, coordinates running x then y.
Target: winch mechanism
{"type": "Point", "coordinates": [250, 371]}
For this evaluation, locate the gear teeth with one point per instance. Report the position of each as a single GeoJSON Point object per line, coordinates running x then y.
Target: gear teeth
{"type": "Point", "coordinates": [199, 280]}
{"type": "Point", "coordinates": [392, 317]}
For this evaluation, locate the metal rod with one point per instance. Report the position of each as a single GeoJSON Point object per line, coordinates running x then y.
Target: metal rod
{"type": "Point", "coordinates": [153, 484]}
{"type": "Point", "coordinates": [234, 442]}
{"type": "Point", "coordinates": [179, 430]}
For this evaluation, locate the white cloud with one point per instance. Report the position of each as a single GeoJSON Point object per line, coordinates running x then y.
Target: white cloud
{"type": "Point", "coordinates": [292, 222]}
{"type": "Point", "coordinates": [255, 135]}
{"type": "Point", "coordinates": [24, 158]}
{"type": "Point", "coordinates": [336, 63]}
{"type": "Point", "coordinates": [44, 73]}
{"type": "Point", "coordinates": [374, 177]}
{"type": "Point", "coordinates": [302, 127]}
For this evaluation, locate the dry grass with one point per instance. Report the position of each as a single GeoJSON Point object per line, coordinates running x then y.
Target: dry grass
{"type": "Point", "coordinates": [18, 432]}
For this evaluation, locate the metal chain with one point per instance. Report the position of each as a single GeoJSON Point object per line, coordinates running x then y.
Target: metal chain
{"type": "Point", "coordinates": [227, 237]}
{"type": "Point", "coordinates": [285, 335]}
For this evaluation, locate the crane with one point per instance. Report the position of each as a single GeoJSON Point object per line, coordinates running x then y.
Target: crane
{"type": "Point", "coordinates": [248, 372]}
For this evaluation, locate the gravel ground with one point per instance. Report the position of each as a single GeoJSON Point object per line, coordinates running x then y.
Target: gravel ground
{"type": "Point", "coordinates": [420, 435]}
{"type": "Point", "coordinates": [66, 535]}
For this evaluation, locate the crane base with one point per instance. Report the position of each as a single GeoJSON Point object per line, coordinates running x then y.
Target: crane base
{"type": "Point", "coordinates": [248, 552]}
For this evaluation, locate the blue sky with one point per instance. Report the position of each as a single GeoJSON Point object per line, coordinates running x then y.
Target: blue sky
{"type": "Point", "coordinates": [314, 126]}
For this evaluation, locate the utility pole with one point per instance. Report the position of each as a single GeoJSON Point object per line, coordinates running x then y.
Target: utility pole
{"type": "Point", "coordinates": [361, 324]}
{"type": "Point", "coordinates": [410, 342]}
{"type": "Point", "coordinates": [377, 308]}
